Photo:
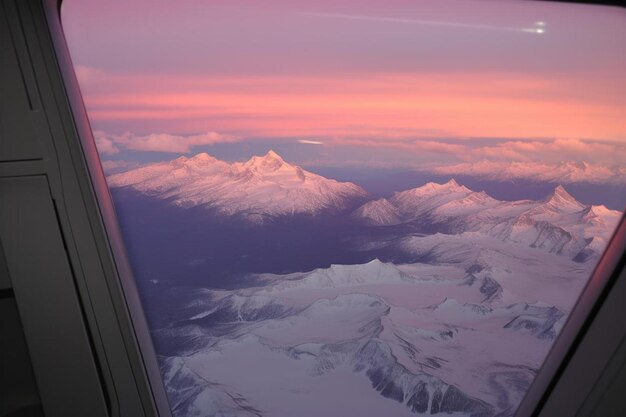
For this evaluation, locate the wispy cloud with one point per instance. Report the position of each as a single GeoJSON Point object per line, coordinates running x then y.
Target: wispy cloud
{"type": "Point", "coordinates": [310, 142]}
{"type": "Point", "coordinates": [114, 167]}
{"type": "Point", "coordinates": [89, 75]}
{"type": "Point", "coordinates": [109, 144]}
{"type": "Point", "coordinates": [439, 147]}
{"type": "Point", "coordinates": [534, 29]}
{"type": "Point", "coordinates": [554, 151]}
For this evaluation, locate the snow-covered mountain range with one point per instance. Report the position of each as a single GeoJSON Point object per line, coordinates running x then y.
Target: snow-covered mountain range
{"type": "Point", "coordinates": [370, 339]}
{"type": "Point", "coordinates": [260, 187]}
{"type": "Point", "coordinates": [267, 186]}
{"type": "Point", "coordinates": [558, 223]}
{"type": "Point", "coordinates": [436, 300]}
{"type": "Point", "coordinates": [561, 173]}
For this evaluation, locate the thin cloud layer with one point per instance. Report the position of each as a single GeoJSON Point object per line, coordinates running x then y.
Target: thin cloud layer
{"type": "Point", "coordinates": [114, 167]}
{"type": "Point", "coordinates": [467, 150]}
{"type": "Point", "coordinates": [109, 144]}
{"type": "Point", "coordinates": [554, 151]}
{"type": "Point", "coordinates": [564, 172]}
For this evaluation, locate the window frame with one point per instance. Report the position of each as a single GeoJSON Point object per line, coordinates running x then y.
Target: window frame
{"type": "Point", "coordinates": [547, 381]}
{"type": "Point", "coordinates": [130, 314]}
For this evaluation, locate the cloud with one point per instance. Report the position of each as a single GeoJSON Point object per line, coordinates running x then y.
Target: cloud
{"type": "Point", "coordinates": [555, 150]}
{"type": "Point", "coordinates": [440, 147]}
{"type": "Point", "coordinates": [563, 172]}
{"type": "Point", "coordinates": [310, 142]}
{"type": "Point", "coordinates": [114, 167]}
{"type": "Point", "coordinates": [163, 142]}
{"type": "Point", "coordinates": [538, 29]}
{"type": "Point", "coordinates": [157, 142]}
{"type": "Point", "coordinates": [471, 149]}
{"type": "Point", "coordinates": [105, 144]}
{"type": "Point", "coordinates": [399, 143]}
{"type": "Point", "coordinates": [86, 74]}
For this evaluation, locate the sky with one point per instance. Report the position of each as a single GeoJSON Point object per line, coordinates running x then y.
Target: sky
{"type": "Point", "coordinates": [353, 82]}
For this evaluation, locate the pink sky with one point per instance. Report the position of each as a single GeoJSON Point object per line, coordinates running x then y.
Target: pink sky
{"type": "Point", "coordinates": [393, 73]}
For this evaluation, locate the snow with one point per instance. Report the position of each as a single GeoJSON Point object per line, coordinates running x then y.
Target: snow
{"type": "Point", "coordinates": [428, 325]}
{"type": "Point", "coordinates": [558, 223]}
{"type": "Point", "coordinates": [379, 212]}
{"type": "Point", "coordinates": [473, 203]}
{"type": "Point", "coordinates": [336, 276]}
{"type": "Point", "coordinates": [462, 333]}
{"type": "Point", "coordinates": [525, 274]}
{"type": "Point", "coordinates": [421, 200]}
{"type": "Point", "coordinates": [277, 385]}
{"type": "Point", "coordinates": [262, 186]}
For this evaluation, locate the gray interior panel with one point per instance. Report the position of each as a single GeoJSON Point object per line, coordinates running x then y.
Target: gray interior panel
{"type": "Point", "coordinates": [43, 283]}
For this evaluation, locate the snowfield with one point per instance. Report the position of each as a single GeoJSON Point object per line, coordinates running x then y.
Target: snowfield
{"type": "Point", "coordinates": [375, 339]}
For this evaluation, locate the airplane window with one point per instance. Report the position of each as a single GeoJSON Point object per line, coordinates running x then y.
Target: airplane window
{"type": "Point", "coordinates": [374, 208]}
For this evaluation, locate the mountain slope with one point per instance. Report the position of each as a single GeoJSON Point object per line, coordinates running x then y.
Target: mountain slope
{"type": "Point", "coordinates": [559, 223]}
{"type": "Point", "coordinates": [421, 200]}
{"type": "Point", "coordinates": [260, 187]}
{"type": "Point", "coordinates": [379, 212]}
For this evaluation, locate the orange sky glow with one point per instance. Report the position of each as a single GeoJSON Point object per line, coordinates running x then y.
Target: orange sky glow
{"type": "Point", "coordinates": [382, 105]}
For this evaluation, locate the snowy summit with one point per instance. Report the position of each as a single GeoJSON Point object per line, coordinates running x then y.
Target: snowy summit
{"type": "Point", "coordinates": [262, 186]}
{"type": "Point", "coordinates": [559, 223]}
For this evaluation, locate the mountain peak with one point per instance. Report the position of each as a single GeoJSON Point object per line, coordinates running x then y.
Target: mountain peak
{"type": "Point", "coordinates": [560, 191]}
{"type": "Point", "coordinates": [448, 191]}
{"type": "Point", "coordinates": [271, 161]}
{"type": "Point", "coordinates": [273, 155]}
{"type": "Point", "coordinates": [560, 197]}
{"type": "Point", "coordinates": [202, 156]}
{"type": "Point", "coordinates": [262, 186]}
{"type": "Point", "coordinates": [437, 187]}
{"type": "Point", "coordinates": [199, 163]}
